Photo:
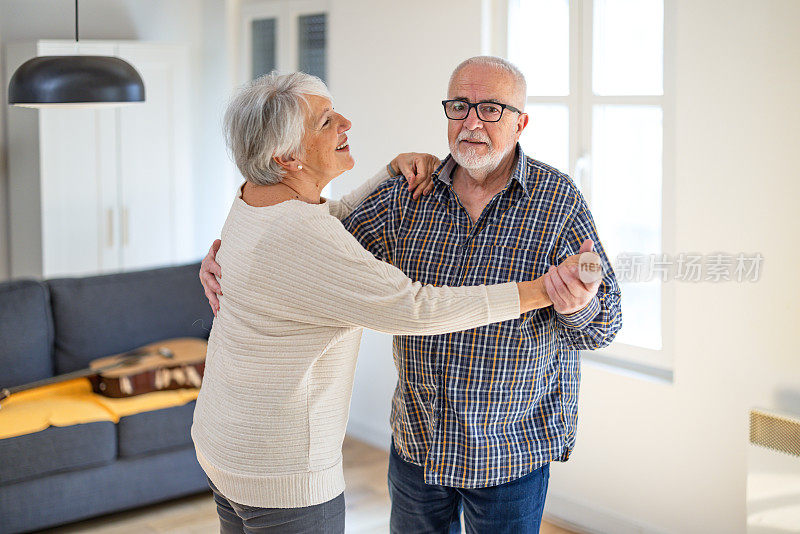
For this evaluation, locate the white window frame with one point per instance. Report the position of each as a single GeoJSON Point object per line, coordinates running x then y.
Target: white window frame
{"type": "Point", "coordinates": [286, 12]}
{"type": "Point", "coordinates": [580, 101]}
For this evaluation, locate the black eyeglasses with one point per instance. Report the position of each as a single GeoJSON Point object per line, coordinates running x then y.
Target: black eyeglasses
{"type": "Point", "coordinates": [458, 110]}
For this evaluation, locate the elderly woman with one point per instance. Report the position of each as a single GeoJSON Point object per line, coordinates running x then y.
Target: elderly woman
{"type": "Point", "coordinates": [297, 291]}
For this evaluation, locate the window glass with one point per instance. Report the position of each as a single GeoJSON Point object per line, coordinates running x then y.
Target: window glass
{"type": "Point", "coordinates": [263, 46]}
{"type": "Point", "coordinates": [619, 140]}
{"type": "Point", "coordinates": [539, 44]}
{"type": "Point", "coordinates": [311, 44]}
{"type": "Point", "coordinates": [628, 47]}
{"type": "Point", "coordinates": [626, 204]}
{"type": "Point", "coordinates": [546, 138]}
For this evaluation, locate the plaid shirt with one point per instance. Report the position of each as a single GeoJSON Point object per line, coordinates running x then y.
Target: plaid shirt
{"type": "Point", "coordinates": [485, 406]}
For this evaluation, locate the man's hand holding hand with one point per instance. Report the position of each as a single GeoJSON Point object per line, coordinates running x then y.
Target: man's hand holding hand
{"type": "Point", "coordinates": [208, 269]}
{"type": "Point", "coordinates": [564, 286]}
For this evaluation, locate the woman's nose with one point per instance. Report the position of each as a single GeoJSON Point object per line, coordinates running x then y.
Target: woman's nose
{"type": "Point", "coordinates": [344, 125]}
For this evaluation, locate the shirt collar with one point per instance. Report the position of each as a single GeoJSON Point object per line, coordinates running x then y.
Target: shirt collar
{"type": "Point", "coordinates": [445, 170]}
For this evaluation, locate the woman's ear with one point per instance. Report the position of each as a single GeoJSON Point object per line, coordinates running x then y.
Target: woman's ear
{"type": "Point", "coordinates": [289, 163]}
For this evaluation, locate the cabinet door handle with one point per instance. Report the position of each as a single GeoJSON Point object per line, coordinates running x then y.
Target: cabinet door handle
{"type": "Point", "coordinates": [125, 227]}
{"type": "Point", "coordinates": [109, 227]}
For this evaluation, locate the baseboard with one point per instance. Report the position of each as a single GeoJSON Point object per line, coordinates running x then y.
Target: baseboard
{"type": "Point", "coordinates": [375, 435]}
{"type": "Point", "coordinates": [583, 518]}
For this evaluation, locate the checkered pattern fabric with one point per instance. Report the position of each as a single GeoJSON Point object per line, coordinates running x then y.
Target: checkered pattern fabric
{"type": "Point", "coordinates": [485, 406]}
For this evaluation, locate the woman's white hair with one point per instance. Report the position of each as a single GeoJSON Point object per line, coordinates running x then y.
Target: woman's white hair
{"type": "Point", "coordinates": [502, 64]}
{"type": "Point", "coordinates": [266, 118]}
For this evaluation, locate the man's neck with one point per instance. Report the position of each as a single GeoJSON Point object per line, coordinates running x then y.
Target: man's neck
{"type": "Point", "coordinates": [476, 190]}
{"type": "Point", "coordinates": [485, 183]}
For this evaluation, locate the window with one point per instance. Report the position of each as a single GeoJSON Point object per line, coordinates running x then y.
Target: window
{"type": "Point", "coordinates": [311, 44]}
{"type": "Point", "coordinates": [284, 35]}
{"type": "Point", "coordinates": [263, 44]}
{"type": "Point", "coordinates": [598, 102]}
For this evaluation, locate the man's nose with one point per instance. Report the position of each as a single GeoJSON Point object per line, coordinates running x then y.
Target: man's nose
{"type": "Point", "coordinates": [472, 121]}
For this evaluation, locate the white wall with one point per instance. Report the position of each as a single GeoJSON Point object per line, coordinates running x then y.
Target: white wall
{"type": "Point", "coordinates": [218, 177]}
{"type": "Point", "coordinates": [199, 24]}
{"type": "Point", "coordinates": [673, 457]}
{"type": "Point", "coordinates": [389, 69]}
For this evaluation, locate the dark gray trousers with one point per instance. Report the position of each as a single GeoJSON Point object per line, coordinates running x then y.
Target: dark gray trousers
{"type": "Point", "coordinates": [234, 518]}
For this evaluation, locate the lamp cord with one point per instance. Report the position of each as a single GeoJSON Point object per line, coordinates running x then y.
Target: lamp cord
{"type": "Point", "coordinates": [76, 21]}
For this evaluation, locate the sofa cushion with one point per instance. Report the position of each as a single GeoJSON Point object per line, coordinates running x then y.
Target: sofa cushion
{"type": "Point", "coordinates": [48, 501]}
{"type": "Point", "coordinates": [103, 315]}
{"type": "Point", "coordinates": [155, 431]}
{"type": "Point", "coordinates": [57, 449]}
{"type": "Point", "coordinates": [26, 331]}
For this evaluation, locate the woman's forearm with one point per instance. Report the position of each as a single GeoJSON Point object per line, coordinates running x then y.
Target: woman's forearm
{"type": "Point", "coordinates": [342, 208]}
{"type": "Point", "coordinates": [532, 295]}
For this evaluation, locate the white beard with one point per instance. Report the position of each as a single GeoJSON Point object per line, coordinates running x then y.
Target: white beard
{"type": "Point", "coordinates": [468, 157]}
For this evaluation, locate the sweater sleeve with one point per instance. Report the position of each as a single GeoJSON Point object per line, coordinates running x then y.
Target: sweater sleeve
{"type": "Point", "coordinates": [344, 207]}
{"type": "Point", "coordinates": [327, 278]}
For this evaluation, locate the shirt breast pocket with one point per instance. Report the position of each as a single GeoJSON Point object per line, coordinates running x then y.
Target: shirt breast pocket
{"type": "Point", "coordinates": [511, 264]}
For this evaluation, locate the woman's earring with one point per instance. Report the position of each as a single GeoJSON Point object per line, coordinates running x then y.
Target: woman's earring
{"type": "Point", "coordinates": [299, 167]}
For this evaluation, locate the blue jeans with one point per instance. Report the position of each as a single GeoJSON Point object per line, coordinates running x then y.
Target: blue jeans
{"type": "Point", "coordinates": [419, 508]}
{"type": "Point", "coordinates": [234, 518]}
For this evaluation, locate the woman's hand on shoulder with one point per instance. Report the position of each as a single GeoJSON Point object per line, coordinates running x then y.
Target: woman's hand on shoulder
{"type": "Point", "coordinates": [417, 168]}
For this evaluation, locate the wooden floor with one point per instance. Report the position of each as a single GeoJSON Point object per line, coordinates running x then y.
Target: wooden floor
{"type": "Point", "coordinates": [366, 496]}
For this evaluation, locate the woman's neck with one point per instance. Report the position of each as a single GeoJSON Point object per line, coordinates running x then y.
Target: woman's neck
{"type": "Point", "coordinates": [290, 188]}
{"type": "Point", "coordinates": [297, 191]}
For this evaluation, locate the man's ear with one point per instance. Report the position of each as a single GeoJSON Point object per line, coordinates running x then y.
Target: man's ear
{"type": "Point", "coordinates": [522, 122]}
{"type": "Point", "coordinates": [289, 163]}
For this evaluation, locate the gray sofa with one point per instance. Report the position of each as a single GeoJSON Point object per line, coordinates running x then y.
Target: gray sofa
{"type": "Point", "coordinates": [64, 474]}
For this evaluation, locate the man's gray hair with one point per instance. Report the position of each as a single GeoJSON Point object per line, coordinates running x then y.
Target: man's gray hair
{"type": "Point", "coordinates": [266, 118]}
{"type": "Point", "coordinates": [500, 63]}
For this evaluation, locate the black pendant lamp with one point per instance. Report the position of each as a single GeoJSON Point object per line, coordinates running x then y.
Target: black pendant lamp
{"type": "Point", "coordinates": [75, 81]}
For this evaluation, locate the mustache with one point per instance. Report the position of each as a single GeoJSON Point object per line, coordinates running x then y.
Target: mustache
{"type": "Point", "coordinates": [474, 136]}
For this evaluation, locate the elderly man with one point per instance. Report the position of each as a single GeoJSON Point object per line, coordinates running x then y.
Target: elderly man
{"type": "Point", "coordinates": [477, 416]}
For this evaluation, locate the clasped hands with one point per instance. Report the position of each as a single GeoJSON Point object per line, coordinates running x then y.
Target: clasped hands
{"type": "Point", "coordinates": [564, 287]}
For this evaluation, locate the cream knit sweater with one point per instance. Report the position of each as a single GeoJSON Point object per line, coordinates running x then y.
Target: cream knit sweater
{"type": "Point", "coordinates": [297, 291]}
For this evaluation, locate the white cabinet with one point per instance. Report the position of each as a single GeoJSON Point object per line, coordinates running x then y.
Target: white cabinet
{"type": "Point", "coordinates": [97, 190]}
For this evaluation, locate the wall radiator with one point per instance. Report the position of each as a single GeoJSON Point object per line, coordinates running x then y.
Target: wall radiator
{"type": "Point", "coordinates": [773, 474]}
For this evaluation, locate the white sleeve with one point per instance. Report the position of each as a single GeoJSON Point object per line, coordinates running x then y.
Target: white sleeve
{"type": "Point", "coordinates": [327, 278]}
{"type": "Point", "coordinates": [342, 208]}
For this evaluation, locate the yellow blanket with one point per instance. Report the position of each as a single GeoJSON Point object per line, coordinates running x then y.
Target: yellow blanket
{"type": "Point", "coordinates": [73, 402]}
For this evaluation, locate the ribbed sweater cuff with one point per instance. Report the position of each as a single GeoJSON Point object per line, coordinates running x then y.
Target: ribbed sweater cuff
{"type": "Point", "coordinates": [295, 490]}
{"type": "Point", "coordinates": [503, 302]}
